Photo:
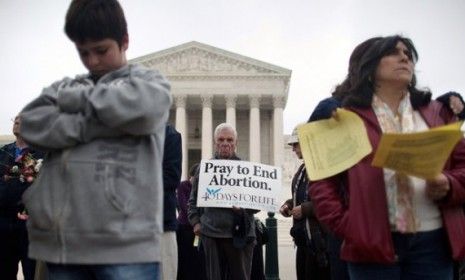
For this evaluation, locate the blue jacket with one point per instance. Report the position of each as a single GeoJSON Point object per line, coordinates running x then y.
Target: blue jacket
{"type": "Point", "coordinates": [172, 165]}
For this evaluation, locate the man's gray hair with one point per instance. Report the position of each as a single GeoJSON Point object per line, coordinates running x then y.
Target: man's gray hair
{"type": "Point", "coordinates": [224, 126]}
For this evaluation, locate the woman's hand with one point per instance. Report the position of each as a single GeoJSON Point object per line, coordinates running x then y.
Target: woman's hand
{"type": "Point", "coordinates": [297, 212]}
{"type": "Point", "coordinates": [437, 188]}
{"type": "Point", "coordinates": [197, 229]}
{"type": "Point", "coordinates": [237, 210]}
{"type": "Point", "coordinates": [22, 215]}
{"type": "Point", "coordinates": [285, 211]}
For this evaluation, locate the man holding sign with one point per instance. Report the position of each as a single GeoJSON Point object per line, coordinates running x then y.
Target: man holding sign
{"type": "Point", "coordinates": [227, 234]}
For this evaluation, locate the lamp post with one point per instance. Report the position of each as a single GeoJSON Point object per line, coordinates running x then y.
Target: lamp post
{"type": "Point", "coordinates": [271, 260]}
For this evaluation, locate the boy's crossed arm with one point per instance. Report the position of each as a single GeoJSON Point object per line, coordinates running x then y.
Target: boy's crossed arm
{"type": "Point", "coordinates": [72, 112]}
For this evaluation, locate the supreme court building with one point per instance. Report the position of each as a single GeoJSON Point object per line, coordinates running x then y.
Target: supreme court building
{"type": "Point", "coordinates": [210, 86]}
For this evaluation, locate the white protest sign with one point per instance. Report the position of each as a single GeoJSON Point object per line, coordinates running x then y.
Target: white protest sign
{"type": "Point", "coordinates": [227, 183]}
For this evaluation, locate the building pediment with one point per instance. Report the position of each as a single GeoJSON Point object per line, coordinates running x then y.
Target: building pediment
{"type": "Point", "coordinates": [197, 59]}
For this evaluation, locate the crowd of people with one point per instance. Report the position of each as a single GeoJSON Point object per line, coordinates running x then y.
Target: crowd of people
{"type": "Point", "coordinates": [105, 203]}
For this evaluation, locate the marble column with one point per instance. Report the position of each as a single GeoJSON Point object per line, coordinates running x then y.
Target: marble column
{"type": "Point", "coordinates": [254, 129]}
{"type": "Point", "coordinates": [181, 127]}
{"type": "Point", "coordinates": [207, 123]}
{"type": "Point", "coordinates": [278, 136]}
{"type": "Point", "coordinates": [231, 109]}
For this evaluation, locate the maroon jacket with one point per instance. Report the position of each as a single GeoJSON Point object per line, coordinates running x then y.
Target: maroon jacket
{"type": "Point", "coordinates": [363, 223]}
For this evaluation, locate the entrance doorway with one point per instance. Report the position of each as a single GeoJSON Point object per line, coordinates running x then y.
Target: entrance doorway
{"type": "Point", "coordinates": [194, 156]}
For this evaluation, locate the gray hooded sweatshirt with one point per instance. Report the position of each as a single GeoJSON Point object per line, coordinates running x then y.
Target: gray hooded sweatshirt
{"type": "Point", "coordinates": [98, 197]}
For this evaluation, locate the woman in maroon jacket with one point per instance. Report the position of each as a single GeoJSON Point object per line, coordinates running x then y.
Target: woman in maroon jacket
{"type": "Point", "coordinates": [394, 226]}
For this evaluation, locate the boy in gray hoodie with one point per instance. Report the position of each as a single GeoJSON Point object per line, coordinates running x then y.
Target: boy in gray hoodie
{"type": "Point", "coordinates": [95, 211]}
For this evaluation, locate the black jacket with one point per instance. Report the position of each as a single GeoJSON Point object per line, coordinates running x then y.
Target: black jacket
{"type": "Point", "coordinates": [172, 166]}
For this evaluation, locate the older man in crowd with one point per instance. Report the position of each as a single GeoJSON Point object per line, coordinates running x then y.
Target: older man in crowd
{"type": "Point", "coordinates": [227, 234]}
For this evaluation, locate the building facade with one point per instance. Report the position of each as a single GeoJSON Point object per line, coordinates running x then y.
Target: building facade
{"type": "Point", "coordinates": [211, 86]}
{"type": "Point", "coordinates": [5, 139]}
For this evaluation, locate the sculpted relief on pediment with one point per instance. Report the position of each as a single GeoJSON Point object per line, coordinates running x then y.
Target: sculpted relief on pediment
{"type": "Point", "coordinates": [196, 61]}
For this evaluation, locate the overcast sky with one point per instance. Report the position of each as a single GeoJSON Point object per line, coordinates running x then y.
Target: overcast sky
{"type": "Point", "coordinates": [312, 38]}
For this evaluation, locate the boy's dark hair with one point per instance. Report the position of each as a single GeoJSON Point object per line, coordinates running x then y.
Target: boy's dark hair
{"type": "Point", "coordinates": [95, 20]}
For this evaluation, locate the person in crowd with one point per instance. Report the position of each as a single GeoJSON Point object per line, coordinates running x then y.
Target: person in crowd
{"type": "Point", "coordinates": [95, 211]}
{"type": "Point", "coordinates": [455, 102]}
{"type": "Point", "coordinates": [13, 232]}
{"type": "Point", "coordinates": [327, 108]}
{"type": "Point", "coordinates": [227, 235]}
{"type": "Point", "coordinates": [191, 264]}
{"type": "Point", "coordinates": [394, 226]}
{"type": "Point", "coordinates": [324, 110]}
{"type": "Point", "coordinates": [308, 235]}
{"type": "Point", "coordinates": [172, 165]}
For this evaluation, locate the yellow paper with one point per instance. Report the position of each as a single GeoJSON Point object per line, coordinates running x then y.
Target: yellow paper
{"type": "Point", "coordinates": [421, 154]}
{"type": "Point", "coordinates": [332, 146]}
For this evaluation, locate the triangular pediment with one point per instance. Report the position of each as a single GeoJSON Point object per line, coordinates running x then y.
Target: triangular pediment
{"type": "Point", "coordinates": [195, 58]}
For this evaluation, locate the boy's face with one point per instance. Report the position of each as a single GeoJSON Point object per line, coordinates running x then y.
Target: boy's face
{"type": "Point", "coordinates": [102, 56]}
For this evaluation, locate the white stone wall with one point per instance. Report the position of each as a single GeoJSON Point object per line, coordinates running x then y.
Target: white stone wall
{"type": "Point", "coordinates": [5, 139]}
